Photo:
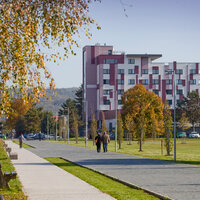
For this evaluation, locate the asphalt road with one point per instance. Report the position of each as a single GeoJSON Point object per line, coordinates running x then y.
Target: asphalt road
{"type": "Point", "coordinates": [177, 181]}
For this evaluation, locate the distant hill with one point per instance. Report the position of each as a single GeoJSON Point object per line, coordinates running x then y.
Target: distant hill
{"type": "Point", "coordinates": [56, 100]}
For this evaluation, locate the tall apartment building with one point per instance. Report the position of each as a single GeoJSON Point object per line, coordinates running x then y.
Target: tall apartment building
{"type": "Point", "coordinates": [107, 75]}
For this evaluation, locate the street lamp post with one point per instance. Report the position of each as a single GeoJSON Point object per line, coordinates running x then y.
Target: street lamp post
{"type": "Point", "coordinates": [174, 93]}
{"type": "Point", "coordinates": [116, 121]}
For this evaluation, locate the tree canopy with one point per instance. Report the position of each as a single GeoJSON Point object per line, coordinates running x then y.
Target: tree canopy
{"type": "Point", "coordinates": [27, 30]}
{"type": "Point", "coordinates": [142, 112]}
{"type": "Point", "coordinates": [191, 106]}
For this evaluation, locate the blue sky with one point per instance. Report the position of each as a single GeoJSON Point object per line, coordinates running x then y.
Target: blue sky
{"type": "Point", "coordinates": [167, 27]}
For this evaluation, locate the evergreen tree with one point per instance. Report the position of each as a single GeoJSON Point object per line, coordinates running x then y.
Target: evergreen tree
{"type": "Point", "coordinates": [33, 120]}
{"type": "Point", "coordinates": [79, 101]}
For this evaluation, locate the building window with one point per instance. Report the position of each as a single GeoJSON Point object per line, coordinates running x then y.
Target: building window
{"type": "Point", "coordinates": [155, 81]}
{"type": "Point", "coordinates": [156, 92]}
{"type": "Point", "coordinates": [119, 102]}
{"type": "Point", "coordinates": [168, 91]}
{"type": "Point", "coordinates": [179, 91]}
{"type": "Point", "coordinates": [120, 82]}
{"type": "Point", "coordinates": [193, 82]}
{"type": "Point", "coordinates": [169, 81]}
{"type": "Point", "coordinates": [109, 52]}
{"type": "Point", "coordinates": [179, 82]}
{"type": "Point", "coordinates": [169, 102]}
{"type": "Point", "coordinates": [121, 92]}
{"type": "Point", "coordinates": [167, 72]}
{"type": "Point", "coordinates": [178, 101]}
{"type": "Point", "coordinates": [106, 81]}
{"type": "Point", "coordinates": [131, 81]}
{"type": "Point", "coordinates": [106, 92]}
{"type": "Point", "coordinates": [120, 71]}
{"type": "Point", "coordinates": [179, 71]}
{"type": "Point", "coordinates": [145, 81]}
{"type": "Point", "coordinates": [110, 61]}
{"type": "Point", "coordinates": [106, 71]}
{"type": "Point", "coordinates": [145, 71]}
{"type": "Point", "coordinates": [130, 71]}
{"type": "Point", "coordinates": [193, 71]}
{"type": "Point", "coordinates": [106, 102]}
{"type": "Point", "coordinates": [131, 61]}
{"type": "Point", "coordinates": [155, 71]}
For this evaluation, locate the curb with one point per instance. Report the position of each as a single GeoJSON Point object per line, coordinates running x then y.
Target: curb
{"type": "Point", "coordinates": [160, 196]}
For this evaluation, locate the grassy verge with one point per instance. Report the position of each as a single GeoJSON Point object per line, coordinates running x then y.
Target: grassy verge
{"type": "Point", "coordinates": [15, 193]}
{"type": "Point", "coordinates": [103, 183]}
{"type": "Point", "coordinates": [188, 150]}
{"type": "Point", "coordinates": [26, 146]}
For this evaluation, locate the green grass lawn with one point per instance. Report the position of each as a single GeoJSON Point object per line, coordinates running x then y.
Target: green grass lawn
{"type": "Point", "coordinates": [26, 146]}
{"type": "Point", "coordinates": [188, 152]}
{"type": "Point", "coordinates": [103, 183]}
{"type": "Point", "coordinates": [15, 191]}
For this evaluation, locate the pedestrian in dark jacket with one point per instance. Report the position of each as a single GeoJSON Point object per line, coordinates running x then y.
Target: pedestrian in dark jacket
{"type": "Point", "coordinates": [98, 142]}
{"type": "Point", "coordinates": [21, 137]}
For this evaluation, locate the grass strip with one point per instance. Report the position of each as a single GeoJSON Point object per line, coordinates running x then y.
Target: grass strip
{"type": "Point", "coordinates": [103, 183]}
{"type": "Point", "coordinates": [26, 146]}
{"type": "Point", "coordinates": [15, 192]}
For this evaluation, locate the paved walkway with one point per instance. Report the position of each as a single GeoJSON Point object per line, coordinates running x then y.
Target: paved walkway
{"type": "Point", "coordinates": [42, 180]}
{"type": "Point", "coordinates": [177, 181]}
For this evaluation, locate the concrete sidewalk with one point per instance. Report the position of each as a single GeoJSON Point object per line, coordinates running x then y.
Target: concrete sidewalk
{"type": "Point", "coordinates": [175, 180]}
{"type": "Point", "coordinates": [42, 180]}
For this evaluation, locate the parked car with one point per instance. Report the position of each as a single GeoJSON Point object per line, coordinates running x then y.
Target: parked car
{"type": "Point", "coordinates": [30, 136]}
{"type": "Point", "coordinates": [194, 135]}
{"type": "Point", "coordinates": [182, 135]}
{"type": "Point", "coordinates": [39, 135]}
{"type": "Point", "coordinates": [112, 136]}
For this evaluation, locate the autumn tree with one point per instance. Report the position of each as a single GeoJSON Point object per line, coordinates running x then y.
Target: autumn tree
{"type": "Point", "coordinates": [75, 126]}
{"type": "Point", "coordinates": [120, 130]}
{"type": "Point", "coordinates": [33, 33]}
{"type": "Point", "coordinates": [143, 106]}
{"type": "Point", "coordinates": [104, 127]}
{"type": "Point", "coordinates": [16, 117]}
{"type": "Point", "coordinates": [93, 128]}
{"type": "Point", "coordinates": [168, 128]}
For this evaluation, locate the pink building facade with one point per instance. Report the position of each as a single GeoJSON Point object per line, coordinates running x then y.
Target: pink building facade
{"type": "Point", "coordinates": [106, 76]}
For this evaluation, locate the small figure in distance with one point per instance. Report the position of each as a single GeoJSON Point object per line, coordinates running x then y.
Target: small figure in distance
{"type": "Point", "coordinates": [98, 142]}
{"type": "Point", "coordinates": [21, 137]}
{"type": "Point", "coordinates": [40, 136]}
{"type": "Point", "coordinates": [105, 140]}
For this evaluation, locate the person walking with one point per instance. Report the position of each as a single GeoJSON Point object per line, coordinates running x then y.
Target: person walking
{"type": "Point", "coordinates": [105, 140]}
{"type": "Point", "coordinates": [98, 142]}
{"type": "Point", "coordinates": [21, 137]}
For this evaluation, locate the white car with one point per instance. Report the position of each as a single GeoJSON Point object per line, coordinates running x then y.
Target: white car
{"type": "Point", "coordinates": [194, 135]}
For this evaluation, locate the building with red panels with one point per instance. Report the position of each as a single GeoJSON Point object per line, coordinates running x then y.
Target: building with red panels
{"type": "Point", "coordinates": [107, 75]}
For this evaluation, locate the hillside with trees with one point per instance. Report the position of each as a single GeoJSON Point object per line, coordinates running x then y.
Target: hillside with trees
{"type": "Point", "coordinates": [54, 101]}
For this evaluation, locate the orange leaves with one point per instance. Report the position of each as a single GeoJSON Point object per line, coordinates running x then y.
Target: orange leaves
{"type": "Point", "coordinates": [25, 26]}
{"type": "Point", "coordinates": [142, 110]}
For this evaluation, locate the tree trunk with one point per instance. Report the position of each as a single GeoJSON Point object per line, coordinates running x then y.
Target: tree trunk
{"type": "Point", "coordinates": [141, 139]}
{"type": "Point", "coordinates": [168, 144]}
{"type": "Point", "coordinates": [119, 143]}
